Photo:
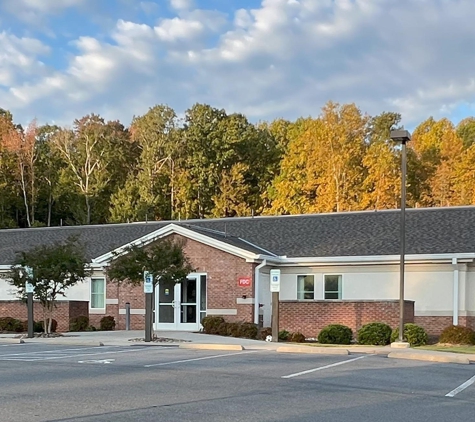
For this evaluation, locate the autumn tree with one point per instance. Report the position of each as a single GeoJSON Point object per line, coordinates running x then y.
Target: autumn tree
{"type": "Point", "coordinates": [438, 148]}
{"type": "Point", "coordinates": [382, 185]}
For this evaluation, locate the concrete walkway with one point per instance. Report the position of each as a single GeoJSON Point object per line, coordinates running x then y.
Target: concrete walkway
{"type": "Point", "coordinates": [206, 341]}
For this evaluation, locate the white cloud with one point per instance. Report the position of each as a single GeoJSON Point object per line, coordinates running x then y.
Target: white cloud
{"type": "Point", "coordinates": [284, 58]}
{"type": "Point", "coordinates": [182, 4]}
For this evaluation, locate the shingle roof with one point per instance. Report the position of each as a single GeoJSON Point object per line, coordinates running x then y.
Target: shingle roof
{"type": "Point", "coordinates": [428, 231]}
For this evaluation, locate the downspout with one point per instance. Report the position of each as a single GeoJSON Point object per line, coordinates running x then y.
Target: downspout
{"type": "Point", "coordinates": [256, 290]}
{"type": "Point", "coordinates": [455, 320]}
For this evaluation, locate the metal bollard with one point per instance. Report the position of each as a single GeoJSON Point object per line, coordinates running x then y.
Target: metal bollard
{"type": "Point", "coordinates": [127, 316]}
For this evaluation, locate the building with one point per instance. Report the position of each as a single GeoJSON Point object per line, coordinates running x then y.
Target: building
{"type": "Point", "coordinates": [336, 268]}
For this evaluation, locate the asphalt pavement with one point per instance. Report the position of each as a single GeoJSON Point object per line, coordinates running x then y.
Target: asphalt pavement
{"type": "Point", "coordinates": [133, 382]}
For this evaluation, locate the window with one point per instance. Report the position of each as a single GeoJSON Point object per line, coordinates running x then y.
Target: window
{"type": "Point", "coordinates": [305, 287]}
{"type": "Point", "coordinates": [332, 286]}
{"type": "Point", "coordinates": [98, 293]}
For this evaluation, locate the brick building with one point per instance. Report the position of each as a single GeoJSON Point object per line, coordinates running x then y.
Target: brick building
{"type": "Point", "coordinates": [335, 268]}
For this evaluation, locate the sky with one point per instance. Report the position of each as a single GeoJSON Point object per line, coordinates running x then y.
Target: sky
{"type": "Point", "coordinates": [63, 59]}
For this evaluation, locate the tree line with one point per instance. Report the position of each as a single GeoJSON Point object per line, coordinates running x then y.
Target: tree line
{"type": "Point", "coordinates": [214, 164]}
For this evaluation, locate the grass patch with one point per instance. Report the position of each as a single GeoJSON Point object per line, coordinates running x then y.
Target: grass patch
{"type": "Point", "coordinates": [335, 345]}
{"type": "Point", "coordinates": [448, 348]}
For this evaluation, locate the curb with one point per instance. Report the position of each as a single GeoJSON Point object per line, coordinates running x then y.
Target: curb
{"type": "Point", "coordinates": [312, 350]}
{"type": "Point", "coordinates": [12, 340]}
{"type": "Point", "coordinates": [430, 357]}
{"type": "Point", "coordinates": [205, 346]}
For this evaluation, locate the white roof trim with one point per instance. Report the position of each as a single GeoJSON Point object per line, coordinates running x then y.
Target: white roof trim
{"type": "Point", "coordinates": [368, 259]}
{"type": "Point", "coordinates": [175, 229]}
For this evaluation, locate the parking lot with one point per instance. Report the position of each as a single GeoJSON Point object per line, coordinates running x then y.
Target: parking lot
{"type": "Point", "coordinates": [40, 382]}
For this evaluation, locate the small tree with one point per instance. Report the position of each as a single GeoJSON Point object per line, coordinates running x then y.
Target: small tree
{"type": "Point", "coordinates": [164, 259]}
{"type": "Point", "coordinates": [56, 268]}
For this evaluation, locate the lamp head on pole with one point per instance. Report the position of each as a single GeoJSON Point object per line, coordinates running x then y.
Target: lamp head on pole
{"type": "Point", "coordinates": [402, 136]}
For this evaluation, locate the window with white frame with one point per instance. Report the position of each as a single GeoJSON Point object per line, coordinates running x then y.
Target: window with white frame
{"type": "Point", "coordinates": [98, 293]}
{"type": "Point", "coordinates": [305, 287]}
{"type": "Point", "coordinates": [332, 286]}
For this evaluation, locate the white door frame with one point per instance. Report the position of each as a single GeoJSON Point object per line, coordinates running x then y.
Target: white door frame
{"type": "Point", "coordinates": [177, 325]}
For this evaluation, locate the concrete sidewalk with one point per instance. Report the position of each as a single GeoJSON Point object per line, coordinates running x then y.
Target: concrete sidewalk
{"type": "Point", "coordinates": [204, 341]}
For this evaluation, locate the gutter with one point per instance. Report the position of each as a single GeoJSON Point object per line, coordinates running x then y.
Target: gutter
{"type": "Point", "coordinates": [455, 319]}
{"type": "Point", "coordinates": [256, 290]}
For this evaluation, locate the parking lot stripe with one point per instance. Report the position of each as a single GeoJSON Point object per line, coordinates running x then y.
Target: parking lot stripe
{"type": "Point", "coordinates": [58, 351]}
{"type": "Point", "coordinates": [297, 374]}
{"type": "Point", "coordinates": [202, 358]}
{"type": "Point", "coordinates": [461, 387]}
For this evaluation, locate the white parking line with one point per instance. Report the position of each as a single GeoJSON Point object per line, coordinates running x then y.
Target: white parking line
{"type": "Point", "coordinates": [461, 387]}
{"type": "Point", "coordinates": [323, 367]}
{"type": "Point", "coordinates": [31, 357]}
{"type": "Point", "coordinates": [203, 358]}
{"type": "Point", "coordinates": [59, 351]}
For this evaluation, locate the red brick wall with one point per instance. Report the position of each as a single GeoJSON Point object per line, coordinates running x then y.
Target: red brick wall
{"type": "Point", "coordinates": [63, 311]}
{"type": "Point", "coordinates": [434, 325]}
{"type": "Point", "coordinates": [223, 271]}
{"type": "Point", "coordinates": [310, 317]}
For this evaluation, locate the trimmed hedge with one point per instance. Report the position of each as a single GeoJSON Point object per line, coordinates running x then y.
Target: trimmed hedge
{"type": "Point", "coordinates": [413, 334]}
{"type": "Point", "coordinates": [375, 334]}
{"type": "Point", "coordinates": [284, 335]}
{"type": "Point", "coordinates": [217, 325]}
{"type": "Point", "coordinates": [455, 334]}
{"type": "Point", "coordinates": [11, 324]}
{"type": "Point", "coordinates": [335, 334]}
{"type": "Point", "coordinates": [79, 323]}
{"type": "Point", "coordinates": [107, 323]}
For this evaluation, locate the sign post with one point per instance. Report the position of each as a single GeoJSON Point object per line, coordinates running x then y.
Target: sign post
{"type": "Point", "coordinates": [29, 288]}
{"type": "Point", "coordinates": [148, 290]}
{"type": "Point", "coordinates": [275, 290]}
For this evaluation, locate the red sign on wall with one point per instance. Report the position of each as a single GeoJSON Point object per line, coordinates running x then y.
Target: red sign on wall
{"type": "Point", "coordinates": [244, 281]}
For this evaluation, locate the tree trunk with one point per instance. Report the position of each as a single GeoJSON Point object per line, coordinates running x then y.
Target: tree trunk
{"type": "Point", "coordinates": [88, 210]}
{"type": "Point", "coordinates": [50, 206]}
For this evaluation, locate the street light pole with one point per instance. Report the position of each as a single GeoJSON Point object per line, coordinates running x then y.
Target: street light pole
{"type": "Point", "coordinates": [402, 136]}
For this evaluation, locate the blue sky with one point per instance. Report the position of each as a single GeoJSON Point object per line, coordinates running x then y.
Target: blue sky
{"type": "Point", "coordinates": [62, 59]}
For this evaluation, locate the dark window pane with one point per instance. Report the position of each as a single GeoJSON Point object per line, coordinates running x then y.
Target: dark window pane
{"type": "Point", "coordinates": [308, 296]}
{"type": "Point", "coordinates": [332, 283]}
{"type": "Point", "coordinates": [331, 295]}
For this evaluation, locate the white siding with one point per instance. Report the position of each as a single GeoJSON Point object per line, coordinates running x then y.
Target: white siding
{"type": "Point", "coordinates": [430, 286]}
{"type": "Point", "coordinates": [7, 291]}
{"type": "Point", "coordinates": [265, 299]}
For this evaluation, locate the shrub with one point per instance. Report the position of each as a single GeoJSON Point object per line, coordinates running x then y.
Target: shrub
{"type": "Point", "coordinates": [78, 323]}
{"type": "Point", "coordinates": [91, 328]}
{"type": "Point", "coordinates": [264, 332]}
{"type": "Point", "coordinates": [284, 335]}
{"type": "Point", "coordinates": [11, 324]}
{"type": "Point", "coordinates": [413, 334]}
{"type": "Point", "coordinates": [456, 334]}
{"type": "Point", "coordinates": [248, 330]}
{"type": "Point", "coordinates": [375, 333]}
{"type": "Point", "coordinates": [39, 328]}
{"type": "Point", "coordinates": [107, 323]}
{"type": "Point", "coordinates": [335, 334]}
{"type": "Point", "coordinates": [233, 329]}
{"type": "Point", "coordinates": [297, 337]}
{"type": "Point", "coordinates": [211, 324]}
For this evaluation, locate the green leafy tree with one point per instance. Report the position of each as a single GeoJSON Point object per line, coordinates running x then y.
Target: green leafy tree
{"type": "Point", "coordinates": [56, 268]}
{"type": "Point", "coordinates": [149, 192]}
{"type": "Point", "coordinates": [164, 258]}
{"type": "Point", "coordinates": [466, 131]}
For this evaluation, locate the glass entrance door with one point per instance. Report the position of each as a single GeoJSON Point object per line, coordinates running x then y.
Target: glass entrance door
{"type": "Point", "coordinates": [181, 306]}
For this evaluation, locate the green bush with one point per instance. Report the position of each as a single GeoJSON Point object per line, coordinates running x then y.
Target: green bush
{"type": "Point", "coordinates": [375, 333]}
{"type": "Point", "coordinates": [264, 332]}
{"type": "Point", "coordinates": [335, 334]}
{"type": "Point", "coordinates": [297, 337]}
{"type": "Point", "coordinates": [11, 325]}
{"type": "Point", "coordinates": [107, 323]}
{"type": "Point", "coordinates": [39, 328]}
{"type": "Point", "coordinates": [211, 324]}
{"type": "Point", "coordinates": [248, 330]}
{"type": "Point", "coordinates": [284, 335]}
{"type": "Point", "coordinates": [78, 323]}
{"type": "Point", "coordinates": [456, 334]}
{"type": "Point", "coordinates": [413, 334]}
{"type": "Point", "coordinates": [233, 329]}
